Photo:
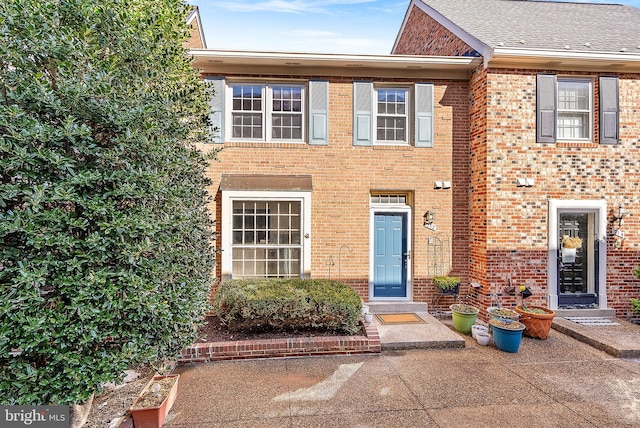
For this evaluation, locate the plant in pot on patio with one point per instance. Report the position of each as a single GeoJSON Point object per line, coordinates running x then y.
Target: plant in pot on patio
{"type": "Point", "coordinates": [536, 319]}
{"type": "Point", "coordinates": [151, 407]}
{"type": "Point", "coordinates": [463, 316]}
{"type": "Point", "coordinates": [507, 334]}
{"type": "Point", "coordinates": [447, 284]}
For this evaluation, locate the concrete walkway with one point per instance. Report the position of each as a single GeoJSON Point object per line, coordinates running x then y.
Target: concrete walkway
{"type": "Point", "coordinates": [558, 382]}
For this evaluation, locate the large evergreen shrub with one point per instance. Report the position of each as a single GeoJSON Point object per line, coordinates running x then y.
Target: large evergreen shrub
{"type": "Point", "coordinates": [105, 239]}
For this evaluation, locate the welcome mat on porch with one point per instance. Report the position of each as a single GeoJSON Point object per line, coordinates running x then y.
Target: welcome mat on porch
{"type": "Point", "coordinates": [408, 318]}
{"type": "Point", "coordinates": [593, 321]}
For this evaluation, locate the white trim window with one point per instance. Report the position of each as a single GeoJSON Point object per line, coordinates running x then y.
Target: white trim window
{"type": "Point", "coordinates": [267, 112]}
{"type": "Point", "coordinates": [265, 234]}
{"type": "Point", "coordinates": [392, 117]}
{"type": "Point", "coordinates": [575, 109]}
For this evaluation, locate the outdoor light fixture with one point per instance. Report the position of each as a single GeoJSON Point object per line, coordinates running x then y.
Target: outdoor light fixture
{"type": "Point", "coordinates": [429, 219]}
{"type": "Point", "coordinates": [618, 217]}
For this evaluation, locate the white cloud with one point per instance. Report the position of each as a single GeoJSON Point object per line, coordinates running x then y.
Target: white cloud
{"type": "Point", "coordinates": [288, 6]}
{"type": "Point", "coordinates": [310, 33]}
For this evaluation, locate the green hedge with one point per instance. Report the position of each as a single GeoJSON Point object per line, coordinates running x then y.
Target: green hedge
{"type": "Point", "coordinates": [286, 304]}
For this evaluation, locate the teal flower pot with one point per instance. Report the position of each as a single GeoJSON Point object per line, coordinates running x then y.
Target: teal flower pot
{"type": "Point", "coordinates": [507, 334]}
{"type": "Point", "coordinates": [463, 317]}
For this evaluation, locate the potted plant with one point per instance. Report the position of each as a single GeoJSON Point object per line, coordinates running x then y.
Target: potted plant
{"type": "Point", "coordinates": [151, 407]}
{"type": "Point", "coordinates": [507, 334]}
{"type": "Point", "coordinates": [463, 317]}
{"type": "Point", "coordinates": [368, 317]}
{"type": "Point", "coordinates": [569, 247]}
{"type": "Point", "coordinates": [483, 338]}
{"type": "Point", "coordinates": [505, 313]}
{"type": "Point", "coordinates": [447, 284]}
{"type": "Point", "coordinates": [536, 319]}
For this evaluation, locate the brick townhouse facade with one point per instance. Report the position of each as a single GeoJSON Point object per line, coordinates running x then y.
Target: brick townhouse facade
{"type": "Point", "coordinates": [472, 151]}
{"type": "Point", "coordinates": [556, 102]}
{"type": "Point", "coordinates": [338, 200]}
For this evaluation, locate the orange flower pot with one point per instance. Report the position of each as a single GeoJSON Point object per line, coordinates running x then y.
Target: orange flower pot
{"type": "Point", "coordinates": [536, 325]}
{"type": "Point", "coordinates": [153, 417]}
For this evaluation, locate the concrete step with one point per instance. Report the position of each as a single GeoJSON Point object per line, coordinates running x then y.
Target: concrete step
{"type": "Point", "coordinates": [396, 307]}
{"type": "Point", "coordinates": [600, 313]}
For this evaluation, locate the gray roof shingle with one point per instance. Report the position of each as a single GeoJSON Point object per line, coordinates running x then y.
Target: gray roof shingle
{"type": "Point", "coordinates": [532, 24]}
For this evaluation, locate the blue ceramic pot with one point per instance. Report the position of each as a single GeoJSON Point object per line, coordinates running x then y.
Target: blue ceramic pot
{"type": "Point", "coordinates": [507, 334]}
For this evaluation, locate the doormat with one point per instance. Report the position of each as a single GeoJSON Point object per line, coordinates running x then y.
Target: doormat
{"type": "Point", "coordinates": [593, 321]}
{"type": "Point", "coordinates": [400, 319]}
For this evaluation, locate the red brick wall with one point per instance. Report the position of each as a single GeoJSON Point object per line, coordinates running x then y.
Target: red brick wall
{"type": "Point", "coordinates": [509, 225]}
{"type": "Point", "coordinates": [423, 35]}
{"type": "Point", "coordinates": [517, 217]}
{"type": "Point", "coordinates": [345, 175]}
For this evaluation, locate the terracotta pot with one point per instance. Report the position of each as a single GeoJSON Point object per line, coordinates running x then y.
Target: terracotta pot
{"type": "Point", "coordinates": [536, 325]}
{"type": "Point", "coordinates": [153, 417]}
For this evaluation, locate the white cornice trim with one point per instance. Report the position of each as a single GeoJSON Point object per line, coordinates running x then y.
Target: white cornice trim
{"type": "Point", "coordinates": [398, 60]}
{"type": "Point", "coordinates": [581, 55]}
{"type": "Point", "coordinates": [565, 60]}
{"type": "Point", "coordinates": [224, 61]}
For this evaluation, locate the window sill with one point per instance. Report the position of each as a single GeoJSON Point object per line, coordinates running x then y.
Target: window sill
{"type": "Point", "coordinates": [267, 144]}
{"type": "Point", "coordinates": [405, 147]}
{"type": "Point", "coordinates": [577, 144]}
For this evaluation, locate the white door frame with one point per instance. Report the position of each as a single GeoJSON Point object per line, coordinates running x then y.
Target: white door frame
{"type": "Point", "coordinates": [599, 207]}
{"type": "Point", "coordinates": [400, 209]}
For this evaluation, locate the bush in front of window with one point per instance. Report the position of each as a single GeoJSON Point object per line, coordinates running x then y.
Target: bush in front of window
{"type": "Point", "coordinates": [277, 304]}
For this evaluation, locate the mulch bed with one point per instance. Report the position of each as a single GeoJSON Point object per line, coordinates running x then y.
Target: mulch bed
{"type": "Point", "coordinates": [215, 331]}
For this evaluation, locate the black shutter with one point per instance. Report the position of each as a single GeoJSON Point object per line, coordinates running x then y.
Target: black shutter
{"type": "Point", "coordinates": [546, 108]}
{"type": "Point", "coordinates": [609, 111]}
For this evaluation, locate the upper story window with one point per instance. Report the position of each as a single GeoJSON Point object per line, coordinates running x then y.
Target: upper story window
{"type": "Point", "coordinates": [383, 114]}
{"type": "Point", "coordinates": [575, 109]}
{"type": "Point", "coordinates": [392, 115]}
{"type": "Point", "coordinates": [267, 112]}
{"type": "Point", "coordinates": [566, 111]}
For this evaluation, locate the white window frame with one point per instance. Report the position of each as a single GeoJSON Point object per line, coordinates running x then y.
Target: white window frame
{"type": "Point", "coordinates": [228, 197]}
{"type": "Point", "coordinates": [590, 111]}
{"type": "Point", "coordinates": [267, 110]}
{"type": "Point", "coordinates": [408, 110]}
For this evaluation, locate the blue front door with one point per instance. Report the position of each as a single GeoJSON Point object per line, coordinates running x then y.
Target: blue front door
{"type": "Point", "coordinates": [390, 249]}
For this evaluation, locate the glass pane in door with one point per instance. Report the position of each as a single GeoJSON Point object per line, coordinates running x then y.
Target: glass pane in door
{"type": "Point", "coordinates": [576, 260]}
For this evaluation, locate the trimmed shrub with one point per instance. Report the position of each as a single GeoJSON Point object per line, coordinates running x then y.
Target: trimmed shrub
{"type": "Point", "coordinates": [287, 304]}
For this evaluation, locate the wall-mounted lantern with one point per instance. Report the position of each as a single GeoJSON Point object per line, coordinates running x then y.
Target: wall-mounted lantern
{"type": "Point", "coordinates": [429, 220]}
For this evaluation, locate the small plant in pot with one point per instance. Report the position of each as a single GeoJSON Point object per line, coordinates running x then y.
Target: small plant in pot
{"type": "Point", "coordinates": [151, 407]}
{"type": "Point", "coordinates": [505, 313]}
{"type": "Point", "coordinates": [507, 334]}
{"type": "Point", "coordinates": [463, 316]}
{"type": "Point", "coordinates": [447, 284]}
{"type": "Point", "coordinates": [536, 319]}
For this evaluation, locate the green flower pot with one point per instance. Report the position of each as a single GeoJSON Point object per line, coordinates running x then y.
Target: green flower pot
{"type": "Point", "coordinates": [463, 317]}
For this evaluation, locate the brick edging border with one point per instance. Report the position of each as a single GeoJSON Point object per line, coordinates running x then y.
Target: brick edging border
{"type": "Point", "coordinates": [280, 348]}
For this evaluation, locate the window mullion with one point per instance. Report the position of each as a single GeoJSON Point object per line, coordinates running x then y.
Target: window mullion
{"type": "Point", "coordinates": [266, 113]}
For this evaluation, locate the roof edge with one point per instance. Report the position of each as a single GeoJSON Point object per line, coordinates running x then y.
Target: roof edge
{"type": "Point", "coordinates": [453, 61]}
{"type": "Point", "coordinates": [485, 50]}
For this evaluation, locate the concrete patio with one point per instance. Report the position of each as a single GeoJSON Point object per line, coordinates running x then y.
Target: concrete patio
{"type": "Point", "coordinates": [558, 382]}
{"type": "Point", "coordinates": [427, 376]}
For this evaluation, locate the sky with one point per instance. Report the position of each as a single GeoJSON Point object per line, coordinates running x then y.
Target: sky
{"type": "Point", "coordinates": [318, 26]}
